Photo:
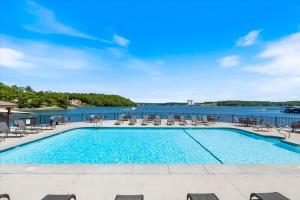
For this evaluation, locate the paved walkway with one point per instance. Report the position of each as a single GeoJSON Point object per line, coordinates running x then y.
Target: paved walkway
{"type": "Point", "coordinates": [227, 186]}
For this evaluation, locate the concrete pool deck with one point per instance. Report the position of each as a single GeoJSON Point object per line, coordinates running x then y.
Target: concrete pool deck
{"type": "Point", "coordinates": [168, 182]}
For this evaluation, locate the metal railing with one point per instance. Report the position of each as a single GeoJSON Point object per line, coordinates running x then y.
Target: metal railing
{"type": "Point", "coordinates": [273, 121]}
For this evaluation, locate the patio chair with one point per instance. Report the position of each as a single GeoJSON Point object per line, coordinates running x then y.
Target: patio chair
{"type": "Point", "coordinates": [5, 129]}
{"type": "Point", "coordinates": [208, 196]}
{"type": "Point", "coordinates": [120, 120]}
{"type": "Point", "coordinates": [59, 197]}
{"type": "Point", "coordinates": [194, 121]}
{"type": "Point", "coordinates": [157, 120]}
{"type": "Point", "coordinates": [145, 120]}
{"type": "Point", "coordinates": [170, 120]}
{"type": "Point", "coordinates": [295, 126]}
{"type": "Point", "coordinates": [204, 120]}
{"type": "Point", "coordinates": [132, 120]}
{"type": "Point", "coordinates": [4, 196]}
{"type": "Point", "coordinates": [268, 196]}
{"type": "Point", "coordinates": [261, 125]}
{"type": "Point", "coordinates": [129, 197]}
{"type": "Point", "coordinates": [236, 120]}
{"type": "Point", "coordinates": [182, 121]}
{"type": "Point", "coordinates": [22, 126]}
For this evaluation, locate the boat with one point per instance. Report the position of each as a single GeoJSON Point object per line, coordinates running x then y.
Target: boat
{"type": "Point", "coordinates": [292, 109]}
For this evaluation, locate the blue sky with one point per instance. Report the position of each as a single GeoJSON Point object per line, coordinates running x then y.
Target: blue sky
{"type": "Point", "coordinates": [154, 51]}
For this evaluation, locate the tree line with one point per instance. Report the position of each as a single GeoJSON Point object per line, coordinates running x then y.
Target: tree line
{"type": "Point", "coordinates": [26, 97]}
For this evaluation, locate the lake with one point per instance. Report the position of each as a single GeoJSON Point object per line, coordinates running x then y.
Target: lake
{"type": "Point", "coordinates": [253, 110]}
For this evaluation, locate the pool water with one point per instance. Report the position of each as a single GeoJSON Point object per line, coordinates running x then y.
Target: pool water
{"type": "Point", "coordinates": [153, 146]}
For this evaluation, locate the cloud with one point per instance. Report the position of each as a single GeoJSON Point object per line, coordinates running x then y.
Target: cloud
{"type": "Point", "coordinates": [121, 40]}
{"type": "Point", "coordinates": [45, 22]}
{"type": "Point", "coordinates": [42, 57]}
{"type": "Point", "coordinates": [280, 58]}
{"type": "Point", "coordinates": [230, 61]}
{"type": "Point", "coordinates": [12, 58]}
{"type": "Point", "coordinates": [249, 39]}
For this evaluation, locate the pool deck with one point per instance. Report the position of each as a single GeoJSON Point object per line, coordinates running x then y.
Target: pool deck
{"type": "Point", "coordinates": [168, 182]}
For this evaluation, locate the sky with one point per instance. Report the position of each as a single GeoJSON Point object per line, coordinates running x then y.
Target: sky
{"type": "Point", "coordinates": [154, 50]}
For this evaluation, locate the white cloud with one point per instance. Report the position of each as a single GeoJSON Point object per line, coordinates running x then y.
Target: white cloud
{"type": "Point", "coordinates": [249, 39]}
{"type": "Point", "coordinates": [280, 58]}
{"type": "Point", "coordinates": [45, 22]}
{"type": "Point", "coordinates": [12, 58]}
{"type": "Point", "coordinates": [230, 61]}
{"type": "Point", "coordinates": [121, 40]}
{"type": "Point", "coordinates": [42, 57]}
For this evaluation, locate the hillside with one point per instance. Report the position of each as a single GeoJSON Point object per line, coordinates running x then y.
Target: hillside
{"type": "Point", "coordinates": [26, 97]}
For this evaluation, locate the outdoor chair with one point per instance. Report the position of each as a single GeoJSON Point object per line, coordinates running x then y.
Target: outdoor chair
{"type": "Point", "coordinates": [132, 120]}
{"type": "Point", "coordinates": [157, 120]}
{"type": "Point", "coordinates": [268, 196]}
{"type": "Point", "coordinates": [59, 197]}
{"type": "Point", "coordinates": [182, 121]}
{"type": "Point", "coordinates": [295, 126]}
{"type": "Point", "coordinates": [22, 126]}
{"type": "Point", "coordinates": [4, 196]}
{"type": "Point", "coordinates": [5, 129]}
{"type": "Point", "coordinates": [120, 120]}
{"type": "Point", "coordinates": [195, 120]}
{"type": "Point", "coordinates": [205, 120]}
{"type": "Point", "coordinates": [170, 120]}
{"type": "Point", "coordinates": [145, 120]}
{"type": "Point", "coordinates": [208, 196]}
{"type": "Point", "coordinates": [261, 125]}
{"type": "Point", "coordinates": [129, 197]}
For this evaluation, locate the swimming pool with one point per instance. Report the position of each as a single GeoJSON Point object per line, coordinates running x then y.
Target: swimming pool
{"type": "Point", "coordinates": [154, 146]}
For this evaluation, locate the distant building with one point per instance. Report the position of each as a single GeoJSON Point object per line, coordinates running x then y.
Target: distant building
{"type": "Point", "coordinates": [190, 102]}
{"type": "Point", "coordinates": [75, 102]}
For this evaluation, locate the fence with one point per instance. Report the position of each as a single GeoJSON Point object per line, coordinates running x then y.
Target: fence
{"type": "Point", "coordinates": [274, 121]}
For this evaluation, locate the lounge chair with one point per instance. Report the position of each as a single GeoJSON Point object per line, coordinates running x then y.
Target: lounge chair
{"type": "Point", "coordinates": [145, 120]}
{"type": "Point", "coordinates": [22, 126]}
{"type": "Point", "coordinates": [59, 197]}
{"type": "Point", "coordinates": [182, 121]}
{"type": "Point", "coordinates": [170, 120]}
{"type": "Point", "coordinates": [262, 125]}
{"type": "Point", "coordinates": [129, 197]}
{"type": "Point", "coordinates": [268, 196]}
{"type": "Point", "coordinates": [120, 120]}
{"type": "Point", "coordinates": [157, 120]}
{"type": "Point", "coordinates": [132, 121]}
{"type": "Point", "coordinates": [208, 196]}
{"type": "Point", "coordinates": [195, 120]}
{"type": "Point", "coordinates": [5, 129]}
{"type": "Point", "coordinates": [236, 121]}
{"type": "Point", "coordinates": [204, 120]}
{"type": "Point", "coordinates": [4, 196]}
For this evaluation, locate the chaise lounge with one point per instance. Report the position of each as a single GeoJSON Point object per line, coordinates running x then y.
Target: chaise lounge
{"type": "Point", "coordinates": [4, 196]}
{"type": "Point", "coordinates": [207, 196]}
{"type": "Point", "coordinates": [268, 196]}
{"type": "Point", "coordinates": [129, 197]}
{"type": "Point", "coordinates": [59, 197]}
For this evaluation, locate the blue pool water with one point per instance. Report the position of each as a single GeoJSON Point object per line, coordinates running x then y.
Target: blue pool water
{"type": "Point", "coordinates": [153, 146]}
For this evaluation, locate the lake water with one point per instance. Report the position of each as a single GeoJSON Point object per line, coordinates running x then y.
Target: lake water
{"type": "Point", "coordinates": [254, 111]}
